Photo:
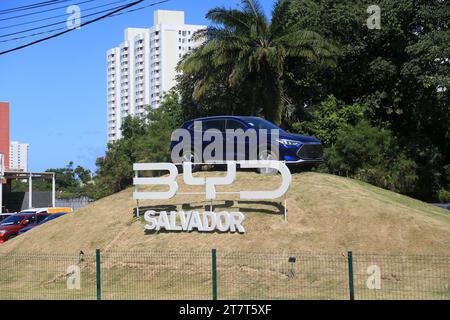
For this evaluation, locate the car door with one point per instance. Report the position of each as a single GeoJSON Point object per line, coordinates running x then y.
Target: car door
{"type": "Point", "coordinates": [31, 220]}
{"type": "Point", "coordinates": [41, 217]}
{"type": "Point", "coordinates": [237, 144]}
{"type": "Point", "coordinates": [216, 124]}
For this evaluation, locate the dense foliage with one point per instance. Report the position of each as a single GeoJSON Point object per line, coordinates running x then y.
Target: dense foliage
{"type": "Point", "coordinates": [377, 98]}
{"type": "Point", "coordinates": [144, 139]}
{"type": "Point", "coordinates": [70, 182]}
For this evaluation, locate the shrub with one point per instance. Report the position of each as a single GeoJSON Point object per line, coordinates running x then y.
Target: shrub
{"type": "Point", "coordinates": [371, 154]}
{"type": "Point", "coordinates": [443, 196]}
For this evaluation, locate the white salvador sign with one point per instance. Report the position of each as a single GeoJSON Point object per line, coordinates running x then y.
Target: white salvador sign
{"type": "Point", "coordinates": [207, 221]}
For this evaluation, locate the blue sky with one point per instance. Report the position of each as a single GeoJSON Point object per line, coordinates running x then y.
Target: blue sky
{"type": "Point", "coordinates": [57, 89]}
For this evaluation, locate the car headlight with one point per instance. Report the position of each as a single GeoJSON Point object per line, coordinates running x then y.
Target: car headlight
{"type": "Point", "coordinates": [287, 142]}
{"type": "Point", "coordinates": [2, 232]}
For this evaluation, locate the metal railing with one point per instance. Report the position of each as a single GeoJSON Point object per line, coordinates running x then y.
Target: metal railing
{"type": "Point", "coordinates": [224, 275]}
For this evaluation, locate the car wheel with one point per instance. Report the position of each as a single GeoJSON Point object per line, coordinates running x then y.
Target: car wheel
{"type": "Point", "coordinates": [267, 154]}
{"type": "Point", "coordinates": [11, 236]}
{"type": "Point", "coordinates": [190, 156]}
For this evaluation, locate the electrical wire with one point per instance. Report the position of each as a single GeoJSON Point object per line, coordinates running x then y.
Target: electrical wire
{"type": "Point", "coordinates": [43, 11]}
{"type": "Point", "coordinates": [54, 24]}
{"type": "Point", "coordinates": [61, 15]}
{"type": "Point", "coordinates": [110, 14]}
{"type": "Point", "coordinates": [32, 6]}
{"type": "Point", "coordinates": [62, 28]}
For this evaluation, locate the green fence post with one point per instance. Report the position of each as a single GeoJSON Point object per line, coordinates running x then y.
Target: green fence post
{"type": "Point", "coordinates": [350, 276]}
{"type": "Point", "coordinates": [99, 284]}
{"type": "Point", "coordinates": [214, 274]}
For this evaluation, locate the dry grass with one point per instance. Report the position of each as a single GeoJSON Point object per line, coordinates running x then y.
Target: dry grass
{"type": "Point", "coordinates": [326, 214]}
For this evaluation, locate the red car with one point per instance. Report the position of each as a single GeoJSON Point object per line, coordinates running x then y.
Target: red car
{"type": "Point", "coordinates": [10, 227]}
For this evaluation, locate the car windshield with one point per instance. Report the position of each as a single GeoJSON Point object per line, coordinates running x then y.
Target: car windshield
{"type": "Point", "coordinates": [12, 220]}
{"type": "Point", "coordinates": [53, 216]}
{"type": "Point", "coordinates": [259, 123]}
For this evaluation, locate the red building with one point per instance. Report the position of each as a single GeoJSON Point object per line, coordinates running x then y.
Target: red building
{"type": "Point", "coordinates": [4, 131]}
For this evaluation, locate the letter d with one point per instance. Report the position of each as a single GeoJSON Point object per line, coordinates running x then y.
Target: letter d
{"type": "Point", "coordinates": [209, 216]}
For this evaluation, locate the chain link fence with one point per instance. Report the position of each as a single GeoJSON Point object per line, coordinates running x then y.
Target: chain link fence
{"type": "Point", "coordinates": [202, 275]}
{"type": "Point", "coordinates": [31, 276]}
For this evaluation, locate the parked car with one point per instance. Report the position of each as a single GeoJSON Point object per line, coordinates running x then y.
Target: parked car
{"type": "Point", "coordinates": [3, 216]}
{"type": "Point", "coordinates": [49, 218]}
{"type": "Point", "coordinates": [292, 148]}
{"type": "Point", "coordinates": [443, 205]}
{"type": "Point", "coordinates": [10, 227]}
{"type": "Point", "coordinates": [47, 210]}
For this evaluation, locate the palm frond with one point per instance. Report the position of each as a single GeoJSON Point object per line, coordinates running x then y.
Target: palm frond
{"type": "Point", "coordinates": [234, 19]}
{"type": "Point", "coordinates": [253, 7]}
{"type": "Point", "coordinates": [279, 16]}
{"type": "Point", "coordinates": [238, 73]}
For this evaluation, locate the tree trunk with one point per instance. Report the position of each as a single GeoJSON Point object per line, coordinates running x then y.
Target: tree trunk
{"type": "Point", "coordinates": [271, 99]}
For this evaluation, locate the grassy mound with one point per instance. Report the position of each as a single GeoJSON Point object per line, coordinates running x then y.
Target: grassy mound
{"type": "Point", "coordinates": [326, 213]}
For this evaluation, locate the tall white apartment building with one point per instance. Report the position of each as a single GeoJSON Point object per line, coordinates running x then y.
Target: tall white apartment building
{"type": "Point", "coordinates": [18, 156]}
{"type": "Point", "coordinates": [143, 68]}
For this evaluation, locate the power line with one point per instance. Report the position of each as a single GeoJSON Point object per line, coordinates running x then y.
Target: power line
{"type": "Point", "coordinates": [32, 6]}
{"type": "Point", "coordinates": [62, 28]}
{"type": "Point", "coordinates": [61, 15]}
{"type": "Point", "coordinates": [54, 24]}
{"type": "Point", "coordinates": [43, 11]}
{"type": "Point", "coordinates": [110, 14]}
{"type": "Point", "coordinates": [27, 6]}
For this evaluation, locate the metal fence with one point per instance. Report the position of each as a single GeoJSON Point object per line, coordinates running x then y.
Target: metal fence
{"type": "Point", "coordinates": [74, 203]}
{"type": "Point", "coordinates": [224, 275]}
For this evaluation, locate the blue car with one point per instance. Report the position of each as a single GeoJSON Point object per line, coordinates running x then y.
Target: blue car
{"type": "Point", "coordinates": [50, 217]}
{"type": "Point", "coordinates": [292, 148]}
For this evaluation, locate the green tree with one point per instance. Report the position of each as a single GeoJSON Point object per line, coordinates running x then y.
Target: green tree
{"type": "Point", "coordinates": [400, 72]}
{"type": "Point", "coordinates": [371, 154]}
{"type": "Point", "coordinates": [82, 174]}
{"type": "Point", "coordinates": [252, 51]}
{"type": "Point", "coordinates": [144, 139]}
{"type": "Point", "coordinates": [326, 119]}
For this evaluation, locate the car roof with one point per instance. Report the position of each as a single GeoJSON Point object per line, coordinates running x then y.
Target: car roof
{"type": "Point", "coordinates": [239, 118]}
{"type": "Point", "coordinates": [33, 210]}
{"type": "Point", "coordinates": [224, 117]}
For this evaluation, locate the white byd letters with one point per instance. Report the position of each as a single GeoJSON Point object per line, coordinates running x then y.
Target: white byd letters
{"type": "Point", "coordinates": [209, 182]}
{"type": "Point", "coordinates": [271, 194]}
{"type": "Point", "coordinates": [169, 180]}
{"type": "Point", "coordinates": [193, 220]}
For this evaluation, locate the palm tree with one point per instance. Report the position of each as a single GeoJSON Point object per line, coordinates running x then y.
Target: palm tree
{"type": "Point", "coordinates": [252, 51]}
